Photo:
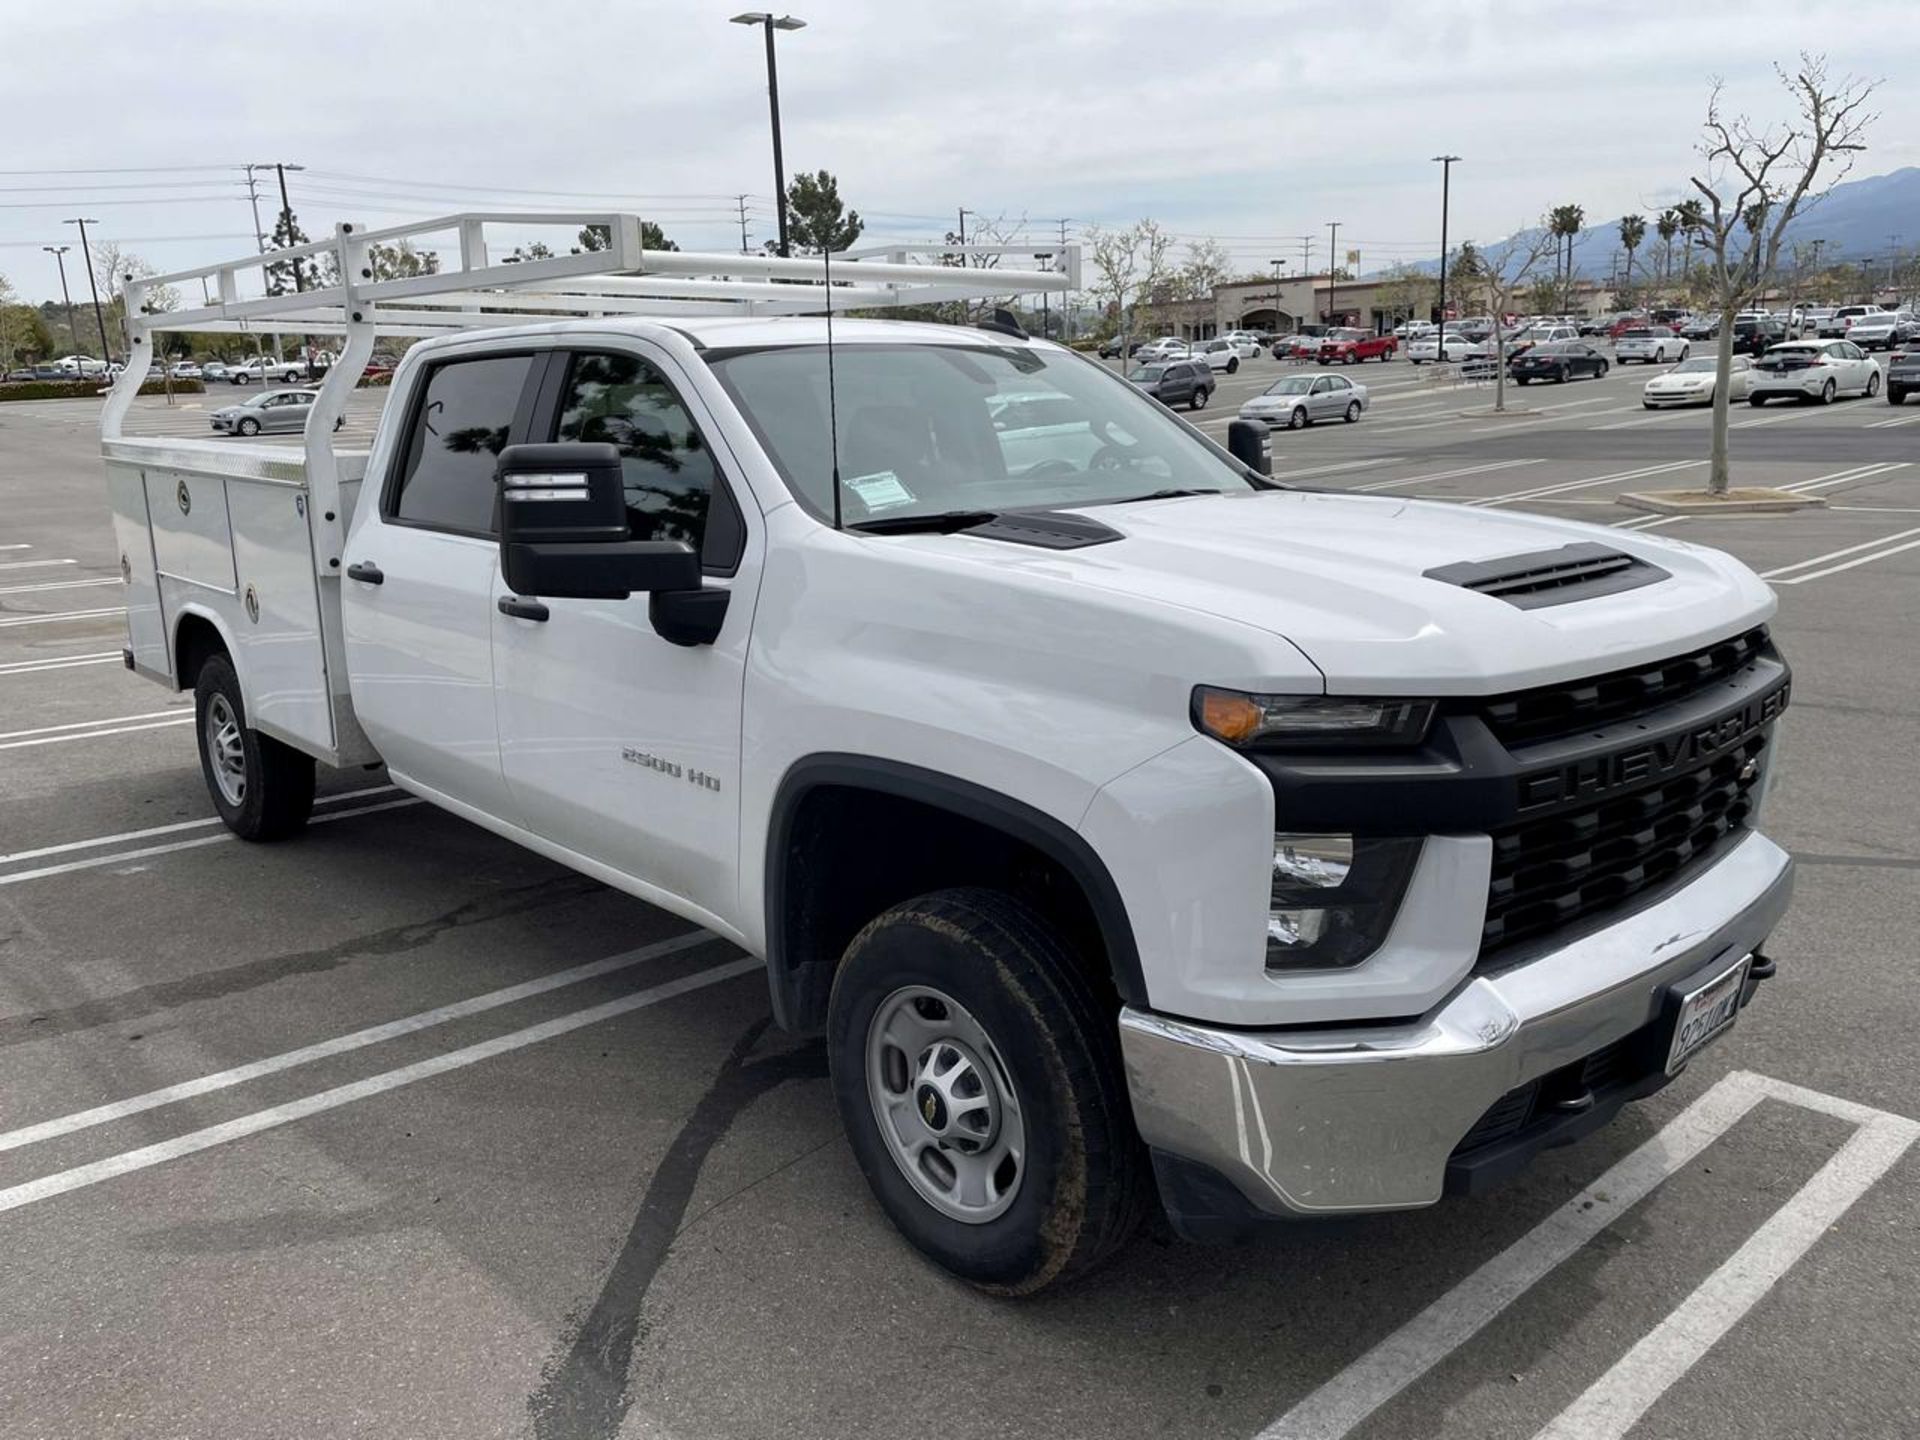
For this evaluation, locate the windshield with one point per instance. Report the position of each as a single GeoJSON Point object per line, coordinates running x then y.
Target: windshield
{"type": "Point", "coordinates": [1148, 373]}
{"type": "Point", "coordinates": [1292, 385]}
{"type": "Point", "coordinates": [1699, 365]}
{"type": "Point", "coordinates": [931, 428]}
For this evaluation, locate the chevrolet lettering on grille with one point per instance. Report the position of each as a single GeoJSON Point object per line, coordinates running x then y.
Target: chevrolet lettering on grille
{"type": "Point", "coordinates": [1599, 774]}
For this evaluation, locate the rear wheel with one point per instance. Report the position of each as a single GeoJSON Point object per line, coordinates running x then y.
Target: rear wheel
{"type": "Point", "coordinates": [1601, 373]}
{"type": "Point", "coordinates": [1233, 366]}
{"type": "Point", "coordinates": [1873, 384]}
{"type": "Point", "coordinates": [1353, 411]}
{"type": "Point", "coordinates": [1827, 392]}
{"type": "Point", "coordinates": [262, 789]}
{"type": "Point", "coordinates": [980, 1083]}
{"type": "Point", "coordinates": [1199, 400]}
{"type": "Point", "coordinates": [1756, 401]}
{"type": "Point", "coordinates": [1895, 395]}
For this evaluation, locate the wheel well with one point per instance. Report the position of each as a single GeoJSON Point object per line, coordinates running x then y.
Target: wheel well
{"type": "Point", "coordinates": [843, 852]}
{"type": "Point", "coordinates": [195, 640]}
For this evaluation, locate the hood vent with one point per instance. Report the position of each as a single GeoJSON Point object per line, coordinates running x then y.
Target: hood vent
{"type": "Point", "coordinates": [1583, 571]}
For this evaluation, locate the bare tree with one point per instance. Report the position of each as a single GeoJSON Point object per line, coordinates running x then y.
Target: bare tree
{"type": "Point", "coordinates": [1114, 255]}
{"type": "Point", "coordinates": [1207, 264]}
{"type": "Point", "coordinates": [1756, 180]}
{"type": "Point", "coordinates": [1501, 273]}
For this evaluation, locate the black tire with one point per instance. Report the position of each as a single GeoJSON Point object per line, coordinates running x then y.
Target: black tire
{"type": "Point", "coordinates": [1353, 411]}
{"type": "Point", "coordinates": [1895, 395]}
{"type": "Point", "coordinates": [1601, 373]}
{"type": "Point", "coordinates": [1233, 366]}
{"type": "Point", "coordinates": [1827, 392]}
{"type": "Point", "coordinates": [1648, 405]}
{"type": "Point", "coordinates": [1756, 401]}
{"type": "Point", "coordinates": [1873, 384]}
{"type": "Point", "coordinates": [1521, 379]}
{"type": "Point", "coordinates": [248, 426]}
{"type": "Point", "coordinates": [1086, 1182]}
{"type": "Point", "coordinates": [237, 379]}
{"type": "Point", "coordinates": [277, 796]}
{"type": "Point", "coordinates": [1560, 376]}
{"type": "Point", "coordinates": [1298, 419]}
{"type": "Point", "coordinates": [1199, 400]}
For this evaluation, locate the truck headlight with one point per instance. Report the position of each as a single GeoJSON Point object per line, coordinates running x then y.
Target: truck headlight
{"type": "Point", "coordinates": [1308, 721]}
{"type": "Point", "coordinates": [1334, 897]}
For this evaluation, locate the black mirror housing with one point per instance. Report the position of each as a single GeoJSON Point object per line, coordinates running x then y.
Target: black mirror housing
{"type": "Point", "coordinates": [564, 532]}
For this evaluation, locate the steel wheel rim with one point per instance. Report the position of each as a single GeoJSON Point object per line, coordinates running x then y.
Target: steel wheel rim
{"type": "Point", "coordinates": [944, 1103]}
{"type": "Point", "coordinates": [226, 751]}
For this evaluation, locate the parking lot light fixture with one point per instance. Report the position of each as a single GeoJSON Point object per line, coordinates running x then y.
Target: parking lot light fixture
{"type": "Point", "coordinates": [59, 253]}
{"type": "Point", "coordinates": [1446, 164]}
{"type": "Point", "coordinates": [770, 22]}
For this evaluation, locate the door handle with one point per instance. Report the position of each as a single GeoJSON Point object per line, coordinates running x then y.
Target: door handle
{"type": "Point", "coordinates": [367, 572]}
{"type": "Point", "coordinates": [521, 609]}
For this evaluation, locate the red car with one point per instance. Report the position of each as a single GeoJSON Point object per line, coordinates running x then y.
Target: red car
{"type": "Point", "coordinates": [1350, 347]}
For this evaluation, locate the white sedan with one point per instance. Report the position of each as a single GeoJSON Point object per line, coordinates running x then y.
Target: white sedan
{"type": "Point", "coordinates": [1294, 401]}
{"type": "Point", "coordinates": [1691, 382]}
{"type": "Point", "coordinates": [1427, 347]}
{"type": "Point", "coordinates": [1245, 344]}
{"type": "Point", "coordinates": [1813, 370]}
{"type": "Point", "coordinates": [1167, 347]}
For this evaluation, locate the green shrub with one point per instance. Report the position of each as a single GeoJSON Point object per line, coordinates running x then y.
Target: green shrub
{"type": "Point", "coordinates": [87, 389]}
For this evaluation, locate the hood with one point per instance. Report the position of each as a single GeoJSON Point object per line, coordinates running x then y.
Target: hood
{"type": "Point", "coordinates": [1343, 578]}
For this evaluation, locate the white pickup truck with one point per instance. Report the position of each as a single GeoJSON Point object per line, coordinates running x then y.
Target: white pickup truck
{"type": "Point", "coordinates": [1128, 822]}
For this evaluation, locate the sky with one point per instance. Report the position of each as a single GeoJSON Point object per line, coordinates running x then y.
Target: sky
{"type": "Point", "coordinates": [1253, 121]}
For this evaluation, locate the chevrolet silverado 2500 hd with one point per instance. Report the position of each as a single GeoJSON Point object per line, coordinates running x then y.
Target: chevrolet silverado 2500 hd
{"type": "Point", "coordinates": [1129, 823]}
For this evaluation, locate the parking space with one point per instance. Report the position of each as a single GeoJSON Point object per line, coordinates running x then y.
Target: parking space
{"type": "Point", "coordinates": [401, 1130]}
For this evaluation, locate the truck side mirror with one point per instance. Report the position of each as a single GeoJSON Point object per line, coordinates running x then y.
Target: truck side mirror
{"type": "Point", "coordinates": [564, 533]}
{"type": "Point", "coordinates": [1247, 443]}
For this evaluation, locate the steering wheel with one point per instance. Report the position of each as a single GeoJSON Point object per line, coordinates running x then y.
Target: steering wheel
{"type": "Point", "coordinates": [1114, 457]}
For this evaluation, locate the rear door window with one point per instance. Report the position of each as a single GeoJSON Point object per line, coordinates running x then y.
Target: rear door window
{"type": "Point", "coordinates": [461, 423]}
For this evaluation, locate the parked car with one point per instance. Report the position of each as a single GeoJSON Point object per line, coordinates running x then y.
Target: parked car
{"type": "Point", "coordinates": [1350, 347]}
{"type": "Point", "coordinates": [1561, 361]}
{"type": "Point", "coordinates": [1754, 337]}
{"type": "Point", "coordinates": [214, 370]}
{"type": "Point", "coordinates": [1458, 347]}
{"type": "Point", "coordinates": [1110, 349]}
{"type": "Point", "coordinates": [1700, 327]}
{"type": "Point", "coordinates": [1295, 401]}
{"type": "Point", "coordinates": [1167, 347]}
{"type": "Point", "coordinates": [1216, 355]}
{"type": "Point", "coordinates": [1650, 345]}
{"type": "Point", "coordinates": [1176, 382]}
{"type": "Point", "coordinates": [1813, 370]}
{"type": "Point", "coordinates": [1876, 329]}
{"type": "Point", "coordinates": [1245, 343]}
{"type": "Point", "coordinates": [80, 366]}
{"type": "Point", "coordinates": [267, 413]}
{"type": "Point", "coordinates": [1296, 347]}
{"type": "Point", "coordinates": [1692, 382]}
{"type": "Point", "coordinates": [1903, 375]}
{"type": "Point", "coordinates": [1838, 322]}
{"type": "Point", "coordinates": [185, 370]}
{"type": "Point", "coordinates": [19, 373]}
{"type": "Point", "coordinates": [283, 372]}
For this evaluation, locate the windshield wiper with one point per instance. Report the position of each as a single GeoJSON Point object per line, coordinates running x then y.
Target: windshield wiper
{"type": "Point", "coordinates": [941, 522]}
{"type": "Point", "coordinates": [1163, 495]}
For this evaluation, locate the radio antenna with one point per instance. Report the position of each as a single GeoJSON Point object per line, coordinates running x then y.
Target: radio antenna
{"type": "Point", "coordinates": [833, 409]}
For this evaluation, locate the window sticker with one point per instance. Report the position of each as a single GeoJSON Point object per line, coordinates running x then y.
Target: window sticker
{"type": "Point", "coordinates": [881, 490]}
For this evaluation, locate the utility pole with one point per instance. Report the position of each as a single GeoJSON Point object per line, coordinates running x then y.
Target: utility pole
{"type": "Point", "coordinates": [742, 200]}
{"type": "Point", "coordinates": [1893, 252]}
{"type": "Point", "coordinates": [59, 253]}
{"type": "Point", "coordinates": [1333, 251]}
{"type": "Point", "coordinates": [86, 258]}
{"type": "Point", "coordinates": [1446, 164]}
{"type": "Point", "coordinates": [259, 240]}
{"type": "Point", "coordinates": [1046, 263]}
{"type": "Point", "coordinates": [1278, 266]}
{"type": "Point", "coordinates": [1066, 305]}
{"type": "Point", "coordinates": [768, 21]}
{"type": "Point", "coordinates": [963, 231]}
{"type": "Point", "coordinates": [299, 282]}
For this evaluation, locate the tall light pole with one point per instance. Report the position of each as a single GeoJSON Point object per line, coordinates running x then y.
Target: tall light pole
{"type": "Point", "coordinates": [1278, 266]}
{"type": "Point", "coordinates": [770, 23]}
{"type": "Point", "coordinates": [280, 169]}
{"type": "Point", "coordinates": [1046, 326]}
{"type": "Point", "coordinates": [1333, 269]}
{"type": "Point", "coordinates": [59, 253]}
{"type": "Point", "coordinates": [86, 258]}
{"type": "Point", "coordinates": [1446, 164]}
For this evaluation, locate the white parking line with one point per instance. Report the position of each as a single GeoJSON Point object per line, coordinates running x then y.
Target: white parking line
{"type": "Point", "coordinates": [1890, 424]}
{"type": "Point", "coordinates": [19, 545]}
{"type": "Point", "coordinates": [59, 615]}
{"type": "Point", "coordinates": [341, 1044]}
{"type": "Point", "coordinates": [1486, 469]}
{"type": "Point", "coordinates": [95, 842]}
{"type": "Point", "coordinates": [1611, 1406]}
{"type": "Point", "coordinates": [64, 1182]}
{"type": "Point", "coordinates": [1841, 477]}
{"type": "Point", "coordinates": [118, 857]}
{"type": "Point", "coordinates": [1548, 419]}
{"type": "Point", "coordinates": [173, 714]}
{"type": "Point", "coordinates": [33, 564]}
{"type": "Point", "coordinates": [1567, 486]}
{"type": "Point", "coordinates": [57, 585]}
{"type": "Point", "coordinates": [96, 734]}
{"type": "Point", "coordinates": [1332, 469]}
{"type": "Point", "coordinates": [59, 662]}
{"type": "Point", "coordinates": [1346, 1400]}
{"type": "Point", "coordinates": [1851, 564]}
{"type": "Point", "coordinates": [1838, 554]}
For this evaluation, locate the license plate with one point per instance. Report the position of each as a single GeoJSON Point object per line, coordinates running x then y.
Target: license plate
{"type": "Point", "coordinates": [1707, 1013]}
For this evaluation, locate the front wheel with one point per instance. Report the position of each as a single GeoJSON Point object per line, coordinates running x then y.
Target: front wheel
{"type": "Point", "coordinates": [248, 426]}
{"type": "Point", "coordinates": [980, 1083]}
{"type": "Point", "coordinates": [1298, 419]}
{"type": "Point", "coordinates": [262, 789]}
{"type": "Point", "coordinates": [1353, 411]}
{"type": "Point", "coordinates": [1686, 352]}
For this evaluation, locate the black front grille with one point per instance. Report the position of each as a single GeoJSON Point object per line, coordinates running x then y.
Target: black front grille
{"type": "Point", "coordinates": [1528, 715]}
{"type": "Point", "coordinates": [1550, 872]}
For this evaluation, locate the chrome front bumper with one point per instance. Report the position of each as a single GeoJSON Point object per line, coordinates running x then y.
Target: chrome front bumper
{"type": "Point", "coordinates": [1315, 1122]}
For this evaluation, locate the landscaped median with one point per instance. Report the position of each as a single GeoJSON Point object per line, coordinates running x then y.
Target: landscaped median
{"type": "Point", "coordinates": [88, 389]}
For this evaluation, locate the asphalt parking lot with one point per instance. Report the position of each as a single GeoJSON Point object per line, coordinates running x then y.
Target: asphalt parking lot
{"type": "Point", "coordinates": [397, 1130]}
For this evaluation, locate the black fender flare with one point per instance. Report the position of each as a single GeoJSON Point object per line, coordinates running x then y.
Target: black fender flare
{"type": "Point", "coordinates": [799, 999]}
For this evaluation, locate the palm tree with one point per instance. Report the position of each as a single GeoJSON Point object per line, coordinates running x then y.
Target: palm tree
{"type": "Point", "coordinates": [1566, 222]}
{"type": "Point", "coordinates": [1669, 226]}
{"type": "Point", "coordinates": [1693, 219]}
{"type": "Point", "coordinates": [1633, 230]}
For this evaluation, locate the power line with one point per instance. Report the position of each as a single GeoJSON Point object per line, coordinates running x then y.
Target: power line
{"type": "Point", "coordinates": [125, 170]}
